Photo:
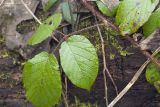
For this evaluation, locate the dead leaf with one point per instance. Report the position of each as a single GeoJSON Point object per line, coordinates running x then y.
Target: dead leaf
{"type": "Point", "coordinates": [12, 13]}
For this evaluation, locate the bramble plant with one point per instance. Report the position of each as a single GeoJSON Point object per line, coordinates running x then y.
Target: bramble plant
{"type": "Point", "coordinates": [78, 58]}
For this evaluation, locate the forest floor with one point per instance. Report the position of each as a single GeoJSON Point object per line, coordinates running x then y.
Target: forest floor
{"type": "Point", "coordinates": [121, 66]}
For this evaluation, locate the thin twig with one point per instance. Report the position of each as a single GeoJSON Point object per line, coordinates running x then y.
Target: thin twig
{"type": "Point", "coordinates": [2, 2]}
{"type": "Point", "coordinates": [105, 69]}
{"type": "Point", "coordinates": [66, 92]}
{"type": "Point", "coordinates": [85, 29]}
{"type": "Point", "coordinates": [29, 10]}
{"type": "Point", "coordinates": [133, 80]}
{"type": "Point", "coordinates": [104, 64]}
{"type": "Point", "coordinates": [65, 99]}
{"type": "Point", "coordinates": [64, 88]}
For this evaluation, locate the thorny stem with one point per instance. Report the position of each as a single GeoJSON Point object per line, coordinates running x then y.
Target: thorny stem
{"type": "Point", "coordinates": [114, 27]}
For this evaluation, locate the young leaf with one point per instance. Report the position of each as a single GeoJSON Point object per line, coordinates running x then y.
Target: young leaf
{"type": "Point", "coordinates": [41, 79]}
{"type": "Point", "coordinates": [104, 9]}
{"type": "Point", "coordinates": [79, 61]}
{"type": "Point", "coordinates": [152, 24]}
{"type": "Point", "coordinates": [49, 4]}
{"type": "Point", "coordinates": [45, 30]}
{"type": "Point", "coordinates": [153, 74]}
{"type": "Point", "coordinates": [132, 14]}
{"type": "Point", "coordinates": [68, 15]}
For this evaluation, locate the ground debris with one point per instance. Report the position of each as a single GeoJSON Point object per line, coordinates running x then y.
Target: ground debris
{"type": "Point", "coordinates": [152, 42]}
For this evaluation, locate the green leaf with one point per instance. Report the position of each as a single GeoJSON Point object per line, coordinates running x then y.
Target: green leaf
{"type": "Point", "coordinates": [68, 15]}
{"type": "Point", "coordinates": [104, 9]}
{"type": "Point", "coordinates": [49, 4]}
{"type": "Point", "coordinates": [45, 30]}
{"type": "Point", "coordinates": [153, 74]}
{"type": "Point", "coordinates": [157, 86]}
{"type": "Point", "coordinates": [41, 79]}
{"type": "Point", "coordinates": [132, 14]}
{"type": "Point", "coordinates": [152, 24]}
{"type": "Point", "coordinates": [79, 61]}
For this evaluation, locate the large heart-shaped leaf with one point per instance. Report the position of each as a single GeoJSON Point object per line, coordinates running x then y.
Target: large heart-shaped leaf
{"type": "Point", "coordinates": [79, 61]}
{"type": "Point", "coordinates": [152, 24]}
{"type": "Point", "coordinates": [45, 30]}
{"type": "Point", "coordinates": [41, 78]}
{"type": "Point", "coordinates": [132, 14]}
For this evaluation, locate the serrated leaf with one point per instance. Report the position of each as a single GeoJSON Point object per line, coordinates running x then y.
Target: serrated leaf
{"type": "Point", "coordinates": [41, 79]}
{"type": "Point", "coordinates": [153, 74]}
{"type": "Point", "coordinates": [152, 24]}
{"type": "Point", "coordinates": [79, 61]}
{"type": "Point", "coordinates": [132, 14]}
{"type": "Point", "coordinates": [104, 9]}
{"type": "Point", "coordinates": [49, 4]}
{"type": "Point", "coordinates": [68, 15]}
{"type": "Point", "coordinates": [45, 30]}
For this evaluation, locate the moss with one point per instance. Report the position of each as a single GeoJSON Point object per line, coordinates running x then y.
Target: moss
{"type": "Point", "coordinates": [91, 34]}
{"type": "Point", "coordinates": [1, 39]}
{"type": "Point", "coordinates": [85, 23]}
{"type": "Point", "coordinates": [120, 49]}
{"type": "Point", "coordinates": [7, 80]}
{"type": "Point", "coordinates": [4, 53]}
{"type": "Point", "coordinates": [27, 26]}
{"type": "Point", "coordinates": [4, 76]}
